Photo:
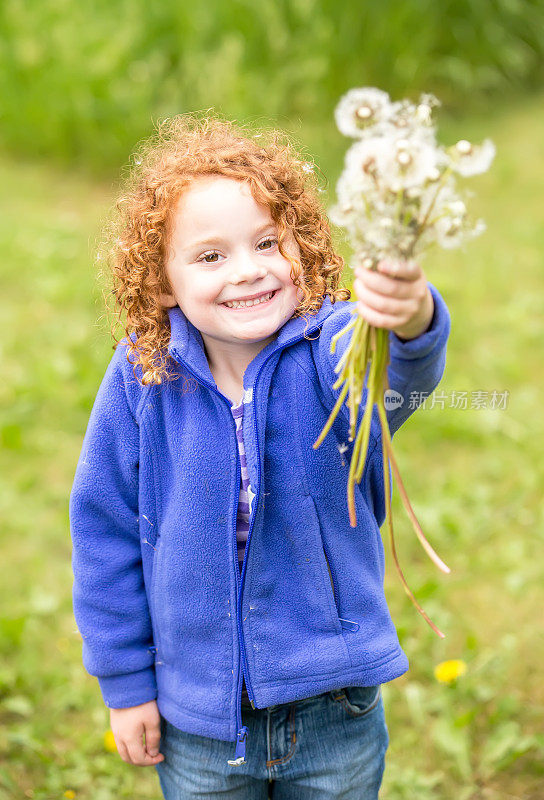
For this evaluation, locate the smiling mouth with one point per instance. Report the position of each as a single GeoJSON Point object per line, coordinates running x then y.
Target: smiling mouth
{"type": "Point", "coordinates": [241, 305]}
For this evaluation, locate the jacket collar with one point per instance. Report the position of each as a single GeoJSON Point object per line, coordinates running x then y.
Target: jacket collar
{"type": "Point", "coordinates": [187, 347]}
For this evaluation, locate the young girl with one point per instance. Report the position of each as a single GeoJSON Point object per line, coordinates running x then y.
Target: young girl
{"type": "Point", "coordinates": [233, 617]}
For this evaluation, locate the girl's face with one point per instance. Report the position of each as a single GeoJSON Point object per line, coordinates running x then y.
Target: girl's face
{"type": "Point", "coordinates": [224, 248]}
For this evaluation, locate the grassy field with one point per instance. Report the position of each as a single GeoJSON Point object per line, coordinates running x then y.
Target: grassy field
{"type": "Point", "coordinates": [475, 478]}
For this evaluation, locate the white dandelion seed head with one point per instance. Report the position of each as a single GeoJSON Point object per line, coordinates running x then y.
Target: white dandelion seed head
{"type": "Point", "coordinates": [409, 167]}
{"type": "Point", "coordinates": [458, 208]}
{"type": "Point", "coordinates": [474, 161]}
{"type": "Point", "coordinates": [361, 163]}
{"type": "Point", "coordinates": [360, 108]}
{"type": "Point", "coordinates": [423, 114]}
{"type": "Point", "coordinates": [397, 177]}
{"type": "Point", "coordinates": [452, 231]}
{"type": "Point", "coordinates": [430, 100]}
{"type": "Point", "coordinates": [463, 147]}
{"type": "Point", "coordinates": [404, 158]}
{"type": "Point", "coordinates": [351, 186]}
{"type": "Point", "coordinates": [424, 110]}
{"type": "Point", "coordinates": [448, 235]}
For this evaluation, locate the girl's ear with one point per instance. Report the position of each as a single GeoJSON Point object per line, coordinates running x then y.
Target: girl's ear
{"type": "Point", "coordinates": [168, 300]}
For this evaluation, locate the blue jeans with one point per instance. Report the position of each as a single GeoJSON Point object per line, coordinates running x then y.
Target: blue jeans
{"type": "Point", "coordinates": [329, 746]}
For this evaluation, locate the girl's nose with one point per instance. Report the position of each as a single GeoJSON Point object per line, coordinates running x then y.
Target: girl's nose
{"type": "Point", "coordinates": [247, 268]}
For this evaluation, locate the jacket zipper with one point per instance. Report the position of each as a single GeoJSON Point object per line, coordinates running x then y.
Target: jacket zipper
{"type": "Point", "coordinates": [251, 524]}
{"type": "Point", "coordinates": [242, 730]}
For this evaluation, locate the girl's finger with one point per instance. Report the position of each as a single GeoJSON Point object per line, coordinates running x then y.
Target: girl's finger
{"type": "Point", "coordinates": [384, 284]}
{"type": "Point", "coordinates": [385, 304]}
{"type": "Point", "coordinates": [137, 753]}
{"type": "Point", "coordinates": [402, 270]}
{"type": "Point", "coordinates": [152, 739]}
{"type": "Point", "coordinates": [123, 752]}
{"type": "Point", "coordinates": [376, 318]}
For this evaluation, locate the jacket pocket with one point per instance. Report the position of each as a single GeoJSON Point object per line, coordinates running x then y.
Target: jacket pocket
{"type": "Point", "coordinates": [343, 623]}
{"type": "Point", "coordinates": [334, 594]}
{"type": "Point", "coordinates": [326, 583]}
{"type": "Point", "coordinates": [153, 598]}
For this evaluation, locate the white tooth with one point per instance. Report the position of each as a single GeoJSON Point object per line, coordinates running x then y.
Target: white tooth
{"type": "Point", "coordinates": [244, 303]}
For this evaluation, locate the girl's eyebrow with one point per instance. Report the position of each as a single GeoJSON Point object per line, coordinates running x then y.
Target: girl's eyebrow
{"type": "Point", "coordinates": [215, 239]}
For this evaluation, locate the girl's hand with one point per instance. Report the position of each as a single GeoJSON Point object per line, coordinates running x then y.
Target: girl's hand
{"type": "Point", "coordinates": [128, 726]}
{"type": "Point", "coordinates": [395, 296]}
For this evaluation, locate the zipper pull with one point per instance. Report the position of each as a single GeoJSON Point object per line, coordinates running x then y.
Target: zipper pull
{"type": "Point", "coordinates": [240, 751]}
{"type": "Point", "coordinates": [348, 624]}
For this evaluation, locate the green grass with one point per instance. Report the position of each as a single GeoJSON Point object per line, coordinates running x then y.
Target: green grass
{"type": "Point", "coordinates": [474, 478]}
{"type": "Point", "coordinates": [105, 82]}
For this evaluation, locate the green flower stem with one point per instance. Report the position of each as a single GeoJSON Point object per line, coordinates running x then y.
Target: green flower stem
{"type": "Point", "coordinates": [385, 454]}
{"type": "Point", "coordinates": [380, 364]}
{"type": "Point", "coordinates": [332, 417]}
{"type": "Point", "coordinates": [362, 437]}
{"type": "Point", "coordinates": [407, 505]}
{"type": "Point", "coordinates": [344, 330]}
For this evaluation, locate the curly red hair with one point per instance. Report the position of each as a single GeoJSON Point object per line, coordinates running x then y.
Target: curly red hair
{"type": "Point", "coordinates": [183, 148]}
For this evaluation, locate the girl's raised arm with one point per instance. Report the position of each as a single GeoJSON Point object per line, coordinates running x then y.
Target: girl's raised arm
{"type": "Point", "coordinates": [415, 368]}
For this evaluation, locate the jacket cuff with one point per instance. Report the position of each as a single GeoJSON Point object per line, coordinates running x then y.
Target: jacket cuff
{"type": "Point", "coordinates": [433, 339]}
{"type": "Point", "coordinates": [130, 689]}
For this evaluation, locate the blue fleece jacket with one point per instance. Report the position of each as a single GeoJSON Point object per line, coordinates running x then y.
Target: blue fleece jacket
{"type": "Point", "coordinates": [160, 603]}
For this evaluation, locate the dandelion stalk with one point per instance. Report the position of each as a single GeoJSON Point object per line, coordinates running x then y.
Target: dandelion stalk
{"type": "Point", "coordinates": [386, 453]}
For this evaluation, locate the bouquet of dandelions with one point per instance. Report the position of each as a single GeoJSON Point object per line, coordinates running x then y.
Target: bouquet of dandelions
{"type": "Point", "coordinates": [396, 198]}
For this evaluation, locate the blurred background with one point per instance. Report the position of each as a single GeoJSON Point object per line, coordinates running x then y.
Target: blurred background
{"type": "Point", "coordinates": [81, 83]}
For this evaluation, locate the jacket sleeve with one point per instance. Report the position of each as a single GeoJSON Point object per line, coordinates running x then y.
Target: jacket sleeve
{"type": "Point", "coordinates": [109, 598]}
{"type": "Point", "coordinates": [415, 367]}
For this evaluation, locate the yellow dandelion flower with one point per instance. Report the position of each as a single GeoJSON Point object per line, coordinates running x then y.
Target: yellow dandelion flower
{"type": "Point", "coordinates": [69, 794]}
{"type": "Point", "coordinates": [109, 742]}
{"type": "Point", "coordinates": [448, 671]}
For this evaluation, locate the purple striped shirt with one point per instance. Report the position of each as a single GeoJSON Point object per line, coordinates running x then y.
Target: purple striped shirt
{"type": "Point", "coordinates": [242, 517]}
{"type": "Point", "coordinates": [246, 494]}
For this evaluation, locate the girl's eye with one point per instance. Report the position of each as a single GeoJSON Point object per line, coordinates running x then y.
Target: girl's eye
{"type": "Point", "coordinates": [268, 240]}
{"type": "Point", "coordinates": [208, 255]}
